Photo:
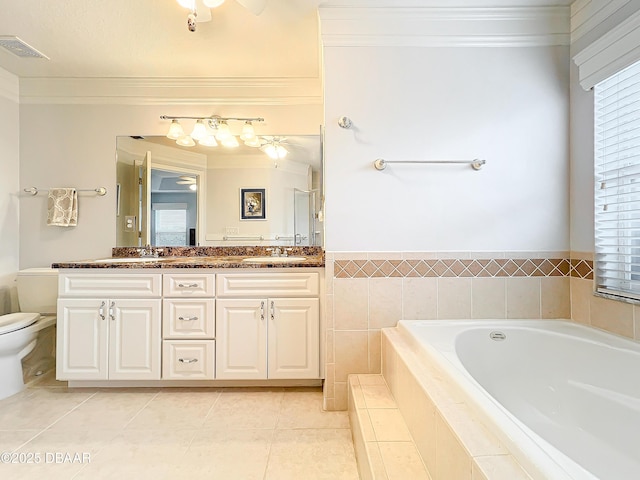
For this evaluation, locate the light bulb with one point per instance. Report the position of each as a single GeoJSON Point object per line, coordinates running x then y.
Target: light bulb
{"type": "Point", "coordinates": [208, 141]}
{"type": "Point", "coordinates": [270, 150]}
{"type": "Point", "coordinates": [193, 187]}
{"type": "Point", "coordinates": [253, 142]}
{"type": "Point", "coordinates": [213, 3]}
{"type": "Point", "coordinates": [186, 3]}
{"type": "Point", "coordinates": [230, 142]}
{"type": "Point", "coordinates": [248, 132]}
{"type": "Point", "coordinates": [175, 130]}
{"type": "Point", "coordinates": [199, 131]}
{"type": "Point", "coordinates": [281, 151]}
{"type": "Point", "coordinates": [186, 141]}
{"type": "Point", "coordinates": [223, 131]}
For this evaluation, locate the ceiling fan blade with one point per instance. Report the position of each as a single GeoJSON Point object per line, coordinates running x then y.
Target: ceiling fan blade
{"type": "Point", "coordinates": [204, 12]}
{"type": "Point", "coordinates": [254, 6]}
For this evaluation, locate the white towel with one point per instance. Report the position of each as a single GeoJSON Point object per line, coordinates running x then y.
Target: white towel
{"type": "Point", "coordinates": [62, 207]}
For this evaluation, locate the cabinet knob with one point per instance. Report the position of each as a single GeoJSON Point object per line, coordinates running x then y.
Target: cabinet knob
{"type": "Point", "coordinates": [187, 360]}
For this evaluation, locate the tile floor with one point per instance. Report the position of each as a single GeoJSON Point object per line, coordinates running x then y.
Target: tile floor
{"type": "Point", "coordinates": [226, 434]}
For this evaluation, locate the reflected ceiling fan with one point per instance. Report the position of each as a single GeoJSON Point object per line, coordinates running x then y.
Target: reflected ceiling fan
{"type": "Point", "coordinates": [201, 9]}
{"type": "Point", "coordinates": [187, 180]}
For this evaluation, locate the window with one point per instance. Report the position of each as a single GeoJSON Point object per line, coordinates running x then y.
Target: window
{"type": "Point", "coordinates": [617, 183]}
{"type": "Point", "coordinates": [170, 224]}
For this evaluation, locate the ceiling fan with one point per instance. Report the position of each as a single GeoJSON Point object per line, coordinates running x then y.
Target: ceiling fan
{"type": "Point", "coordinates": [201, 9]}
{"type": "Point", "coordinates": [187, 180]}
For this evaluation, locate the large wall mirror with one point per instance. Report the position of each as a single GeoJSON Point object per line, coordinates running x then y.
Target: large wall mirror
{"type": "Point", "coordinates": [168, 195]}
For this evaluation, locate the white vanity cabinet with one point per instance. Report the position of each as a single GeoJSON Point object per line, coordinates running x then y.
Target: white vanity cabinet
{"type": "Point", "coordinates": [188, 326]}
{"type": "Point", "coordinates": [267, 325]}
{"type": "Point", "coordinates": [109, 326]}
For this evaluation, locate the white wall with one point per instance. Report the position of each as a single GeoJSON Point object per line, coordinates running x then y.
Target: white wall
{"type": "Point", "coordinates": [506, 105]}
{"type": "Point", "coordinates": [9, 187]}
{"type": "Point", "coordinates": [74, 145]}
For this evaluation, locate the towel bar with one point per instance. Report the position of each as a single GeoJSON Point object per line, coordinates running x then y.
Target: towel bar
{"type": "Point", "coordinates": [102, 191]}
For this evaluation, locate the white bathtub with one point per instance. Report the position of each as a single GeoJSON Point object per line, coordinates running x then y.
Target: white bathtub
{"type": "Point", "coordinates": [563, 398]}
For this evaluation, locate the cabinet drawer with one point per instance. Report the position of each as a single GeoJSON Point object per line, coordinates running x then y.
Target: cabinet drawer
{"type": "Point", "coordinates": [120, 285]}
{"type": "Point", "coordinates": [268, 284]}
{"type": "Point", "coordinates": [188, 359]}
{"type": "Point", "coordinates": [188, 318]}
{"type": "Point", "coordinates": [189, 284]}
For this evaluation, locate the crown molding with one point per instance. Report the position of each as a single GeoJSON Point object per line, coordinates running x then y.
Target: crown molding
{"type": "Point", "coordinates": [588, 14]}
{"type": "Point", "coordinates": [615, 50]}
{"type": "Point", "coordinates": [9, 86]}
{"type": "Point", "coordinates": [350, 26]}
{"type": "Point", "coordinates": [172, 91]}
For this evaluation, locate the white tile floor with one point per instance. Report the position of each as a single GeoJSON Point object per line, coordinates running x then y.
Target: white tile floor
{"type": "Point", "coordinates": [226, 434]}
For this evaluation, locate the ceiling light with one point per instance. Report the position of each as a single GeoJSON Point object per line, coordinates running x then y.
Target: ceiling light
{"type": "Point", "coordinates": [253, 142]}
{"type": "Point", "coordinates": [175, 130]}
{"type": "Point", "coordinates": [274, 150]}
{"type": "Point", "coordinates": [230, 142]}
{"type": "Point", "coordinates": [212, 3]}
{"type": "Point", "coordinates": [208, 141]}
{"type": "Point", "coordinates": [248, 133]}
{"type": "Point", "coordinates": [199, 131]}
{"type": "Point", "coordinates": [186, 141]}
{"type": "Point", "coordinates": [187, 3]}
{"type": "Point", "coordinates": [223, 131]}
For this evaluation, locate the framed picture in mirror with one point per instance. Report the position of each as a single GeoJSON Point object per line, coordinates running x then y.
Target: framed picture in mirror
{"type": "Point", "coordinates": [253, 204]}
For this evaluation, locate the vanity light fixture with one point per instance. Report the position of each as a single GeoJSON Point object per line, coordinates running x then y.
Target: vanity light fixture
{"type": "Point", "coordinates": [208, 131]}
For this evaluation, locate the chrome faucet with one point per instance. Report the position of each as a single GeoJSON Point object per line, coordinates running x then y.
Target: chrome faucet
{"type": "Point", "coordinates": [149, 252]}
{"type": "Point", "coordinates": [275, 252]}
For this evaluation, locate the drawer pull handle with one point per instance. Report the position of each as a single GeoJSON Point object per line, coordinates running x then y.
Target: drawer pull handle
{"type": "Point", "coordinates": [188, 285]}
{"type": "Point", "coordinates": [262, 311]}
{"type": "Point", "coordinates": [273, 312]}
{"type": "Point", "coordinates": [188, 319]}
{"type": "Point", "coordinates": [187, 360]}
{"type": "Point", "coordinates": [112, 315]}
{"type": "Point", "coordinates": [101, 310]}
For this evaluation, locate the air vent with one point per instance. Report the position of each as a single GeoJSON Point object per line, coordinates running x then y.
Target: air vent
{"type": "Point", "coordinates": [20, 48]}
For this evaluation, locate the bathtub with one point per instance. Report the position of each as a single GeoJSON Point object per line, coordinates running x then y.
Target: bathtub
{"type": "Point", "coordinates": [563, 398]}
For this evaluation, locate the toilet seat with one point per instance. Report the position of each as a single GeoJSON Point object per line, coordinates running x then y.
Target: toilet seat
{"type": "Point", "coordinates": [15, 321]}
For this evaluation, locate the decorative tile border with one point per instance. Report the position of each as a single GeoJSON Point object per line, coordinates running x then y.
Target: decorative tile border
{"type": "Point", "coordinates": [499, 267]}
{"type": "Point", "coordinates": [582, 268]}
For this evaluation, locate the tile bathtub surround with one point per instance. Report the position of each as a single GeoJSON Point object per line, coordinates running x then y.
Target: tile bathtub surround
{"type": "Point", "coordinates": [366, 292]}
{"type": "Point", "coordinates": [177, 433]}
{"type": "Point", "coordinates": [448, 436]}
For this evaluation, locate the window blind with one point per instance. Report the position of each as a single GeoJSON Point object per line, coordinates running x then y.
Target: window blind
{"type": "Point", "coordinates": [617, 183]}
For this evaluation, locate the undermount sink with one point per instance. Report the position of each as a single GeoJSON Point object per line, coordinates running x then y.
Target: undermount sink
{"type": "Point", "coordinates": [270, 259]}
{"type": "Point", "coordinates": [127, 260]}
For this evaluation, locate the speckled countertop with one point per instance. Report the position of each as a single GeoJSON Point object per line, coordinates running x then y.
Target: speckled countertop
{"type": "Point", "coordinates": [202, 257]}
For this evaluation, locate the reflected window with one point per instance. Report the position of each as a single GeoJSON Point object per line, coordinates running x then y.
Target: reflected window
{"type": "Point", "coordinates": [169, 224]}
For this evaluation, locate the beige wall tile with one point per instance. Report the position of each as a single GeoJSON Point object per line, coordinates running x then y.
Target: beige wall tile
{"type": "Point", "coordinates": [375, 362]}
{"type": "Point", "coordinates": [419, 298]}
{"type": "Point", "coordinates": [581, 293]}
{"type": "Point", "coordinates": [351, 353]}
{"type": "Point", "coordinates": [349, 255]}
{"type": "Point", "coordinates": [454, 298]}
{"type": "Point", "coordinates": [419, 255]}
{"type": "Point", "coordinates": [523, 297]}
{"type": "Point", "coordinates": [389, 425]}
{"type": "Point", "coordinates": [384, 255]}
{"type": "Point", "coordinates": [451, 459]}
{"type": "Point", "coordinates": [329, 316]}
{"type": "Point", "coordinates": [329, 387]}
{"type": "Point", "coordinates": [329, 347]}
{"type": "Point", "coordinates": [350, 303]}
{"type": "Point", "coordinates": [376, 462]}
{"type": "Point", "coordinates": [385, 302]}
{"type": "Point", "coordinates": [612, 315]}
{"type": "Point", "coordinates": [328, 276]}
{"type": "Point", "coordinates": [340, 400]}
{"type": "Point", "coordinates": [556, 297]}
{"type": "Point", "coordinates": [488, 298]}
{"type": "Point", "coordinates": [402, 461]}
{"type": "Point", "coordinates": [582, 255]}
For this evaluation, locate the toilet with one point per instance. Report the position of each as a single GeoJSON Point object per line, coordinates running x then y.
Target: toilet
{"type": "Point", "coordinates": [37, 294]}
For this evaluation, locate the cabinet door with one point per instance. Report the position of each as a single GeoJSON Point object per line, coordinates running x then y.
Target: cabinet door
{"type": "Point", "coordinates": [294, 349]}
{"type": "Point", "coordinates": [82, 339]}
{"type": "Point", "coordinates": [241, 339]}
{"type": "Point", "coordinates": [134, 339]}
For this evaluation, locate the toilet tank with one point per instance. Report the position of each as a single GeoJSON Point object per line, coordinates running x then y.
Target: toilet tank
{"type": "Point", "coordinates": [38, 290]}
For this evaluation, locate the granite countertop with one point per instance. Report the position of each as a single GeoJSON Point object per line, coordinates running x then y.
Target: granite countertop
{"type": "Point", "coordinates": [204, 257]}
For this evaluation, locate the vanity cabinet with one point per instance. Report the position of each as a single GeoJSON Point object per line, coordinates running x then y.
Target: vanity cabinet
{"type": "Point", "coordinates": [272, 330]}
{"type": "Point", "coordinates": [105, 334]}
{"type": "Point", "coordinates": [188, 326]}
